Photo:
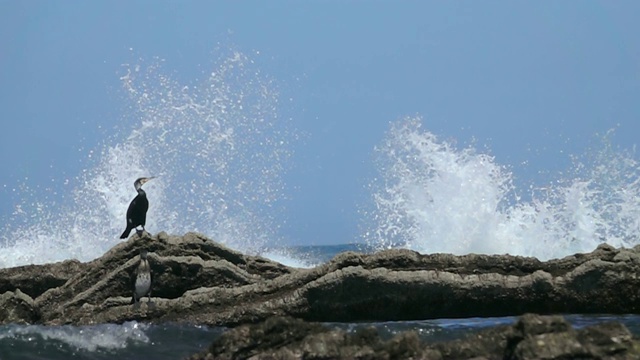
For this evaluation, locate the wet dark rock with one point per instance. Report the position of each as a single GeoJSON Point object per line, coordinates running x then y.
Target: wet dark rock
{"type": "Point", "coordinates": [532, 337]}
{"type": "Point", "coordinates": [197, 280]}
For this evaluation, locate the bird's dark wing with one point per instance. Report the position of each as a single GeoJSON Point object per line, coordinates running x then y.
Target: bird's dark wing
{"type": "Point", "coordinates": [150, 277]}
{"type": "Point", "coordinates": [132, 208]}
{"type": "Point", "coordinates": [134, 275]}
{"type": "Point", "coordinates": [130, 219]}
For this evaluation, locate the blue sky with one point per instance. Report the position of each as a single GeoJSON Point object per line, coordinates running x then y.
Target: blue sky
{"type": "Point", "coordinates": [533, 82]}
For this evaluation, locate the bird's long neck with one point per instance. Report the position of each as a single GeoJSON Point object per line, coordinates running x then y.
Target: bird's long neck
{"type": "Point", "coordinates": [144, 265]}
{"type": "Point", "coordinates": [141, 192]}
{"type": "Point", "coordinates": [138, 186]}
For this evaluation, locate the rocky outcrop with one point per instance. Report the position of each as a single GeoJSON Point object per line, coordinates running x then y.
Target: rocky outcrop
{"type": "Point", "coordinates": [199, 281]}
{"type": "Point", "coordinates": [34, 280]}
{"type": "Point", "coordinates": [532, 337]}
{"type": "Point", "coordinates": [178, 264]}
{"type": "Point", "coordinates": [17, 308]}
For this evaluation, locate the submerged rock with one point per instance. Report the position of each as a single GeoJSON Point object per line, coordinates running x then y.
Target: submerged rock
{"type": "Point", "coordinates": [532, 337]}
{"type": "Point", "coordinates": [197, 280]}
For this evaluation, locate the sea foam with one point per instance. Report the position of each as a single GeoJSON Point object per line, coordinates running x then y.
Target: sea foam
{"type": "Point", "coordinates": [85, 338]}
{"type": "Point", "coordinates": [433, 197]}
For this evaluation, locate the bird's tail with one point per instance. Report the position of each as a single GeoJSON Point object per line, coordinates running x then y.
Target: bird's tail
{"type": "Point", "coordinates": [126, 233]}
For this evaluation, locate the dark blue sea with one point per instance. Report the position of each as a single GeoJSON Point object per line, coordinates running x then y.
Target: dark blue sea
{"type": "Point", "coordinates": [174, 341]}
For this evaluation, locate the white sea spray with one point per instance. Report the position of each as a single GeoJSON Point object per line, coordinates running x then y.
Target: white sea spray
{"type": "Point", "coordinates": [432, 197]}
{"type": "Point", "coordinates": [217, 146]}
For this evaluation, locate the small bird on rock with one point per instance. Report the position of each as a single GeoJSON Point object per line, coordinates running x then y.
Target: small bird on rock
{"type": "Point", "coordinates": [142, 279]}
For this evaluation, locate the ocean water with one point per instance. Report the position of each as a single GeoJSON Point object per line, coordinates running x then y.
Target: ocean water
{"type": "Point", "coordinates": [172, 341]}
{"type": "Point", "coordinates": [220, 148]}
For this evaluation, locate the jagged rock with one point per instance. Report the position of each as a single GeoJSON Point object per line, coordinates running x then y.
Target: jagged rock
{"type": "Point", "coordinates": [17, 307]}
{"type": "Point", "coordinates": [34, 280]}
{"type": "Point", "coordinates": [199, 281]}
{"type": "Point", "coordinates": [532, 337]}
{"type": "Point", "coordinates": [178, 264]}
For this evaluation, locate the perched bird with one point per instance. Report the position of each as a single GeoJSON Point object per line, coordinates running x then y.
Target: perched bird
{"type": "Point", "coordinates": [137, 212]}
{"type": "Point", "coordinates": [142, 279]}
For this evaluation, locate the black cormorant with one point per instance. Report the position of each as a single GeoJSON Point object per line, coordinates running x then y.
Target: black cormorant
{"type": "Point", "coordinates": [137, 212]}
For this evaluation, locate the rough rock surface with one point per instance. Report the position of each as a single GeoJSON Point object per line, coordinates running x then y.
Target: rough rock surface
{"type": "Point", "coordinates": [532, 337]}
{"type": "Point", "coordinates": [199, 281]}
{"type": "Point", "coordinates": [34, 280]}
{"type": "Point", "coordinates": [18, 308]}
